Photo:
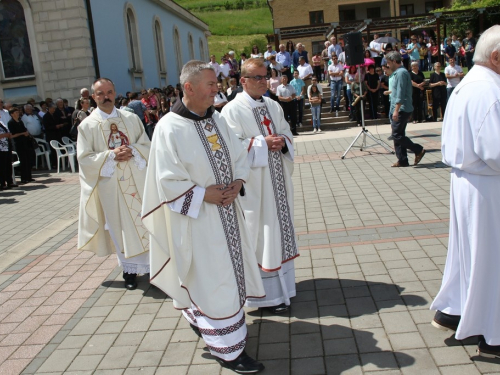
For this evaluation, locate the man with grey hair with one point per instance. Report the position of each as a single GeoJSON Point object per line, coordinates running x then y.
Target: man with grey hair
{"type": "Point", "coordinates": [32, 121]}
{"type": "Point", "coordinates": [469, 299]}
{"type": "Point", "coordinates": [334, 47]}
{"type": "Point", "coordinates": [283, 57]}
{"type": "Point", "coordinates": [401, 109]}
{"type": "Point", "coordinates": [4, 114]}
{"type": "Point", "coordinates": [200, 252]}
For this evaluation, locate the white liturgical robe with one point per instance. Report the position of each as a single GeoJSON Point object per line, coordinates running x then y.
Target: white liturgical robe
{"type": "Point", "coordinates": [470, 145]}
{"type": "Point", "coordinates": [269, 203]}
{"type": "Point", "coordinates": [111, 192]}
{"type": "Point", "coordinates": [200, 252]}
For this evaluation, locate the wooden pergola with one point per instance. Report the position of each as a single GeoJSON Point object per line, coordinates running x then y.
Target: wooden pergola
{"type": "Point", "coordinates": [411, 23]}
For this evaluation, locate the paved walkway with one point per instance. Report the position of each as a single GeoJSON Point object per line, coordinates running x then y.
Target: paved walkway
{"type": "Point", "coordinates": [373, 246]}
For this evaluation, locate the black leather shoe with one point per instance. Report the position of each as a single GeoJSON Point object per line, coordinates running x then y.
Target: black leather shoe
{"type": "Point", "coordinates": [196, 330]}
{"type": "Point", "coordinates": [130, 280]}
{"type": "Point", "coordinates": [242, 365]}
{"type": "Point", "coordinates": [280, 309]}
{"type": "Point", "coordinates": [488, 351]}
{"type": "Point", "coordinates": [12, 186]}
{"type": "Point", "coordinates": [445, 322]}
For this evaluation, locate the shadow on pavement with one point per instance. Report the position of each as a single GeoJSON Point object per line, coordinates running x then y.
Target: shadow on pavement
{"type": "Point", "coordinates": [8, 201]}
{"type": "Point", "coordinates": [143, 284]}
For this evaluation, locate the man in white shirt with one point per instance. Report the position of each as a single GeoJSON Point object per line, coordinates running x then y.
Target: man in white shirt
{"type": "Point", "coordinates": [215, 66]}
{"type": "Point", "coordinates": [220, 99]}
{"type": "Point", "coordinates": [375, 50]}
{"type": "Point", "coordinates": [454, 74]}
{"type": "Point", "coordinates": [336, 72]}
{"type": "Point", "coordinates": [32, 122]}
{"type": "Point", "coordinates": [305, 71]}
{"type": "Point", "coordinates": [4, 114]}
{"type": "Point", "coordinates": [224, 73]}
{"type": "Point", "coordinates": [286, 97]}
{"type": "Point", "coordinates": [334, 47]}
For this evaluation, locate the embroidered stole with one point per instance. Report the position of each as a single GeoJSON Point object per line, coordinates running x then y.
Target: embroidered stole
{"type": "Point", "coordinates": [266, 126]}
{"type": "Point", "coordinates": [220, 161]}
{"type": "Point", "coordinates": [126, 184]}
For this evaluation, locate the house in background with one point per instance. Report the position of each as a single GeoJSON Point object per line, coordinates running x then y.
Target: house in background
{"type": "Point", "coordinates": [53, 48]}
{"type": "Point", "coordinates": [308, 21]}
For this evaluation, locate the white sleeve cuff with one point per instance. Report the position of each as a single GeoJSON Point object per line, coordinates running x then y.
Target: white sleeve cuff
{"type": "Point", "coordinates": [290, 155]}
{"type": "Point", "coordinates": [139, 161]}
{"type": "Point", "coordinates": [258, 153]}
{"type": "Point", "coordinates": [108, 168]}
{"type": "Point", "coordinates": [190, 203]}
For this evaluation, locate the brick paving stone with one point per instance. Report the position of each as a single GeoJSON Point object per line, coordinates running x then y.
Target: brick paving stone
{"type": "Point", "coordinates": [99, 344]}
{"type": "Point", "coordinates": [450, 355]}
{"type": "Point", "coordinates": [59, 360]}
{"type": "Point", "coordinates": [178, 354]}
{"type": "Point", "coordinates": [343, 364]}
{"type": "Point", "coordinates": [311, 366]}
{"type": "Point", "coordinates": [117, 357]}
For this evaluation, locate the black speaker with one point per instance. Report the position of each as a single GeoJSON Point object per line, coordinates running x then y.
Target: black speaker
{"type": "Point", "coordinates": [354, 49]}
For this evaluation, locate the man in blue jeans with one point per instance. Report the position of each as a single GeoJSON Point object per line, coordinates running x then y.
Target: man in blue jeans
{"type": "Point", "coordinates": [401, 109]}
{"type": "Point", "coordinates": [336, 72]}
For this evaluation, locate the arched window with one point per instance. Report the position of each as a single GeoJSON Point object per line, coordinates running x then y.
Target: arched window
{"type": "Point", "coordinates": [178, 52]}
{"type": "Point", "coordinates": [202, 50]}
{"type": "Point", "coordinates": [160, 51]}
{"type": "Point", "coordinates": [191, 47]}
{"type": "Point", "coordinates": [133, 41]}
{"type": "Point", "coordinates": [15, 51]}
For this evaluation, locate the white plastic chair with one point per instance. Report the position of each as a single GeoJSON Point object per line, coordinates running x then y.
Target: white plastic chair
{"type": "Point", "coordinates": [43, 150]}
{"type": "Point", "coordinates": [15, 164]}
{"type": "Point", "coordinates": [69, 142]}
{"type": "Point", "coordinates": [64, 152]}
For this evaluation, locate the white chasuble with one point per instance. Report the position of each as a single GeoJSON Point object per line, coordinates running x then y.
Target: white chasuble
{"type": "Point", "coordinates": [470, 137]}
{"type": "Point", "coordinates": [112, 191]}
{"type": "Point", "coordinates": [200, 252]}
{"type": "Point", "coordinates": [269, 203]}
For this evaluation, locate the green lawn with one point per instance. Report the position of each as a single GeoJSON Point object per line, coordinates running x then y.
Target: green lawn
{"type": "Point", "coordinates": [238, 22]}
{"type": "Point", "coordinates": [220, 44]}
{"type": "Point", "coordinates": [428, 74]}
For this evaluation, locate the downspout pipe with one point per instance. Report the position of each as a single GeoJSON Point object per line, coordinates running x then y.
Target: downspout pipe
{"type": "Point", "coordinates": [92, 38]}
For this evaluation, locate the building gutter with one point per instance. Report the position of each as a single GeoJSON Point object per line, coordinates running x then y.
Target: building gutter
{"type": "Point", "coordinates": [92, 38]}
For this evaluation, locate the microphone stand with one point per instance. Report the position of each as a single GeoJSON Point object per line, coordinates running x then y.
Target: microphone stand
{"type": "Point", "coordinates": [364, 132]}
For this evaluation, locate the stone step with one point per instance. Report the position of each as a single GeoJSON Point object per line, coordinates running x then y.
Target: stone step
{"type": "Point", "coordinates": [340, 125]}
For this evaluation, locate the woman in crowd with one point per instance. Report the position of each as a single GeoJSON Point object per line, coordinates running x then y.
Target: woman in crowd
{"type": "Point", "coordinates": [404, 56]}
{"type": "Point", "coordinates": [6, 181]}
{"type": "Point", "coordinates": [422, 52]}
{"type": "Point", "coordinates": [373, 84]}
{"type": "Point", "coordinates": [24, 145]}
{"type": "Point", "coordinates": [315, 101]}
{"type": "Point", "coordinates": [164, 107]}
{"type": "Point", "coordinates": [273, 83]}
{"type": "Point", "coordinates": [434, 48]}
{"type": "Point", "coordinates": [53, 128]}
{"type": "Point", "coordinates": [418, 82]}
{"type": "Point", "coordinates": [438, 83]}
{"type": "Point", "coordinates": [349, 79]}
{"type": "Point", "coordinates": [62, 117]}
{"type": "Point", "coordinates": [317, 65]}
{"type": "Point", "coordinates": [80, 116]}
{"type": "Point", "coordinates": [255, 53]}
{"type": "Point", "coordinates": [368, 59]}
{"type": "Point", "coordinates": [175, 96]}
{"type": "Point", "coordinates": [290, 47]}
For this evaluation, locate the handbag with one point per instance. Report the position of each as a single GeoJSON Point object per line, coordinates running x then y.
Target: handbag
{"type": "Point", "coordinates": [34, 143]}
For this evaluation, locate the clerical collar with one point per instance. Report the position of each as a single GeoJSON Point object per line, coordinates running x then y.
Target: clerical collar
{"type": "Point", "coordinates": [181, 109]}
{"type": "Point", "coordinates": [105, 115]}
{"type": "Point", "coordinates": [250, 99]}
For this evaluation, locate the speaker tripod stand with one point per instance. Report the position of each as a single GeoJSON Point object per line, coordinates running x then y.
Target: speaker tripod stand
{"type": "Point", "coordinates": [365, 132]}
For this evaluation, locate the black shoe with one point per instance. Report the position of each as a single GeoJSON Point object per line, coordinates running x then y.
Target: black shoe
{"type": "Point", "coordinates": [9, 186]}
{"type": "Point", "coordinates": [390, 138]}
{"type": "Point", "coordinates": [445, 322]}
{"type": "Point", "coordinates": [196, 330]}
{"type": "Point", "coordinates": [32, 180]}
{"type": "Point", "coordinates": [488, 351]}
{"type": "Point", "coordinates": [280, 309]}
{"type": "Point", "coordinates": [295, 133]}
{"type": "Point", "coordinates": [130, 280]}
{"type": "Point", "coordinates": [242, 365]}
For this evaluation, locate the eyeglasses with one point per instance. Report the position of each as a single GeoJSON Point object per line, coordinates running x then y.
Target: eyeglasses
{"type": "Point", "coordinates": [257, 78]}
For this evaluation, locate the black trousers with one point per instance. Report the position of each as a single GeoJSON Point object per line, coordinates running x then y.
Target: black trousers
{"type": "Point", "coordinates": [25, 155]}
{"type": "Point", "coordinates": [438, 103]}
{"type": "Point", "coordinates": [373, 98]}
{"type": "Point", "coordinates": [290, 112]}
{"type": "Point", "coordinates": [317, 72]}
{"type": "Point", "coordinates": [5, 168]}
{"type": "Point", "coordinates": [417, 106]}
{"type": "Point", "coordinates": [401, 141]}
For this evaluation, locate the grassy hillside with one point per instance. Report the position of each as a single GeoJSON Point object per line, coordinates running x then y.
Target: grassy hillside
{"type": "Point", "coordinates": [232, 29]}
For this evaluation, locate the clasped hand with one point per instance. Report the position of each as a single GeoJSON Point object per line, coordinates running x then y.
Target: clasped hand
{"type": "Point", "coordinates": [123, 153]}
{"type": "Point", "coordinates": [223, 195]}
{"type": "Point", "coordinates": [275, 142]}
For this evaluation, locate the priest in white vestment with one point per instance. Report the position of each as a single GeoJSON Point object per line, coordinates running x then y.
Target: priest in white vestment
{"type": "Point", "coordinates": [112, 152]}
{"type": "Point", "coordinates": [200, 250]}
{"type": "Point", "coordinates": [260, 124]}
{"type": "Point", "coordinates": [469, 298]}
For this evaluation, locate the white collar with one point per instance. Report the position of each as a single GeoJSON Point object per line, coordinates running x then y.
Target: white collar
{"type": "Point", "coordinates": [253, 103]}
{"type": "Point", "coordinates": [105, 115]}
